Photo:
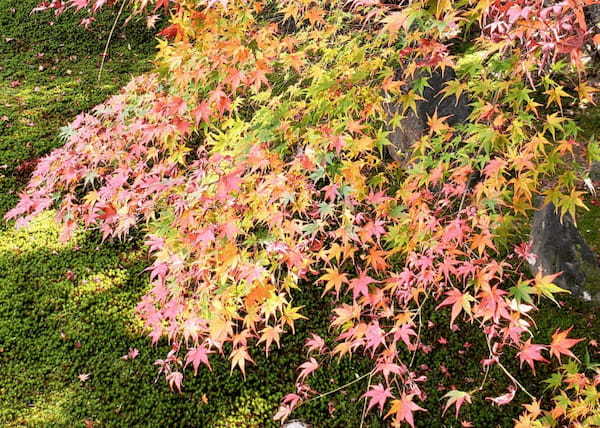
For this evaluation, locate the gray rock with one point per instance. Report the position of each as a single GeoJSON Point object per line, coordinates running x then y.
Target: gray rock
{"type": "Point", "coordinates": [402, 137]}
{"type": "Point", "coordinates": [595, 171]}
{"type": "Point", "coordinates": [295, 424]}
{"type": "Point", "coordinates": [413, 126]}
{"type": "Point", "coordinates": [559, 247]}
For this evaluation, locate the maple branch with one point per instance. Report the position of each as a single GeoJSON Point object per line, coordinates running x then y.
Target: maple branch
{"type": "Point", "coordinates": [371, 373]}
{"type": "Point", "coordinates": [364, 410]}
{"type": "Point", "coordinates": [507, 373]}
{"type": "Point", "coordinates": [418, 342]}
{"type": "Point", "coordinates": [110, 35]}
{"type": "Point", "coordinates": [515, 381]}
{"type": "Point", "coordinates": [487, 371]}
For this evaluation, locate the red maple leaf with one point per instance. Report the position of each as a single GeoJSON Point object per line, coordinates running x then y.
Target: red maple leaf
{"type": "Point", "coordinates": [79, 4]}
{"type": "Point", "coordinates": [161, 3]}
{"type": "Point", "coordinates": [171, 31]}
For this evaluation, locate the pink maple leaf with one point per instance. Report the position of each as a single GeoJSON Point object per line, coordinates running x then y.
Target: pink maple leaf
{"type": "Point", "coordinates": [504, 398]}
{"type": "Point", "coordinates": [360, 285]}
{"type": "Point", "coordinates": [315, 343]}
{"type": "Point", "coordinates": [198, 355]}
{"type": "Point", "coordinates": [404, 334]}
{"type": "Point", "coordinates": [378, 395]}
{"type": "Point", "coordinates": [530, 353]}
{"type": "Point", "coordinates": [307, 368]}
{"type": "Point", "coordinates": [175, 380]}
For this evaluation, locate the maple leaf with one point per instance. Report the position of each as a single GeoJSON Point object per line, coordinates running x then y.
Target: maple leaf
{"type": "Point", "coordinates": [151, 21]}
{"type": "Point", "coordinates": [270, 334]}
{"type": "Point", "coordinates": [482, 240]}
{"type": "Point", "coordinates": [360, 285]}
{"type": "Point", "coordinates": [282, 413]}
{"type": "Point", "coordinates": [543, 285]}
{"type": "Point", "coordinates": [307, 368]}
{"type": "Point", "coordinates": [333, 279]}
{"type": "Point", "coordinates": [404, 333]}
{"type": "Point", "coordinates": [290, 314]}
{"type": "Point", "coordinates": [289, 402]}
{"type": "Point", "coordinates": [555, 95]}
{"type": "Point", "coordinates": [504, 398]}
{"type": "Point", "coordinates": [201, 112]}
{"type": "Point", "coordinates": [162, 3]}
{"type": "Point", "coordinates": [374, 336]}
{"type": "Point", "coordinates": [229, 183]}
{"type": "Point", "coordinates": [196, 356]}
{"type": "Point", "coordinates": [83, 377]}
{"type": "Point", "coordinates": [258, 295]}
{"type": "Point", "coordinates": [403, 409]}
{"type": "Point", "coordinates": [131, 355]}
{"type": "Point", "coordinates": [530, 353]}
{"type": "Point", "coordinates": [376, 259]}
{"type": "Point", "coordinates": [171, 32]}
{"type": "Point", "coordinates": [331, 191]}
{"type": "Point", "coordinates": [315, 16]}
{"type": "Point", "coordinates": [378, 395]}
{"type": "Point", "coordinates": [315, 343]}
{"type": "Point", "coordinates": [437, 124]}
{"type": "Point", "coordinates": [389, 84]}
{"type": "Point", "coordinates": [396, 20]}
{"type": "Point", "coordinates": [561, 345]}
{"type": "Point", "coordinates": [296, 61]}
{"type": "Point", "coordinates": [239, 357]}
{"type": "Point", "coordinates": [79, 4]}
{"type": "Point", "coordinates": [175, 380]}
{"type": "Point", "coordinates": [389, 368]}
{"type": "Point", "coordinates": [457, 398]}
{"type": "Point", "coordinates": [459, 302]}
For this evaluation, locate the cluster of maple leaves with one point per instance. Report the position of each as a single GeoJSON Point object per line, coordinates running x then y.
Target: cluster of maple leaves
{"type": "Point", "coordinates": [253, 158]}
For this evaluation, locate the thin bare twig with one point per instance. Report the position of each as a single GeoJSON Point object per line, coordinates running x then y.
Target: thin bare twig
{"type": "Point", "coordinates": [507, 373]}
{"type": "Point", "coordinates": [110, 35]}
{"type": "Point", "coordinates": [371, 373]}
{"type": "Point", "coordinates": [364, 410]}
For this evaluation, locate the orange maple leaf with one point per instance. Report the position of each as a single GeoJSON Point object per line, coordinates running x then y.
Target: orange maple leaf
{"type": "Point", "coordinates": [561, 345]}
{"type": "Point", "coordinates": [258, 295]}
{"type": "Point", "coordinates": [334, 279]}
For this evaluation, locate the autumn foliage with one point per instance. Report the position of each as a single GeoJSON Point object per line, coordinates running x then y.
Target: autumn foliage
{"type": "Point", "coordinates": [253, 158]}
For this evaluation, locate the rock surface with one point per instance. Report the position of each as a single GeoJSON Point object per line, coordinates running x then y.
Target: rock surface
{"type": "Point", "coordinates": [559, 247]}
{"type": "Point", "coordinates": [595, 171]}
{"type": "Point", "coordinates": [295, 424]}
{"type": "Point", "coordinates": [414, 125]}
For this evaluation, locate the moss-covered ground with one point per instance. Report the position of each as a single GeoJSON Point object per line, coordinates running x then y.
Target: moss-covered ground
{"type": "Point", "coordinates": [67, 309]}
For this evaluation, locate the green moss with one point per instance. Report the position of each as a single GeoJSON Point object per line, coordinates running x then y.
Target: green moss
{"type": "Point", "coordinates": [589, 121]}
{"type": "Point", "coordinates": [589, 225]}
